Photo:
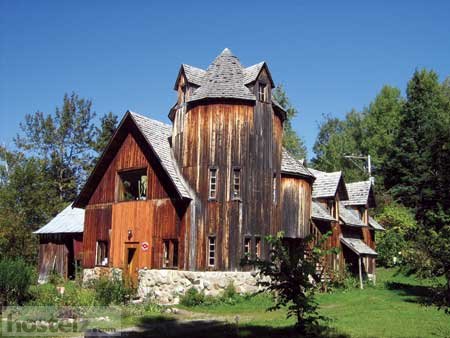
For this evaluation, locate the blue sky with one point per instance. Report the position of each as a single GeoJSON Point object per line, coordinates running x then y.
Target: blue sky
{"type": "Point", "coordinates": [331, 56]}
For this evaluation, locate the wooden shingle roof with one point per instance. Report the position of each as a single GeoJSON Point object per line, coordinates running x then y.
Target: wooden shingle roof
{"type": "Point", "coordinates": [224, 78]}
{"type": "Point", "coordinates": [358, 246]}
{"type": "Point", "coordinates": [360, 193]}
{"type": "Point", "coordinates": [350, 217]}
{"type": "Point", "coordinates": [327, 185]}
{"type": "Point", "coordinates": [289, 165]}
{"type": "Point", "coordinates": [375, 225]}
{"type": "Point", "coordinates": [320, 213]}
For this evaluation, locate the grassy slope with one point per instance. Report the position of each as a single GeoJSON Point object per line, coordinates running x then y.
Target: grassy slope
{"type": "Point", "coordinates": [390, 309]}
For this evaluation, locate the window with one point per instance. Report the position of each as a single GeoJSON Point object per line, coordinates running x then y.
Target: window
{"type": "Point", "coordinates": [361, 212]}
{"type": "Point", "coordinates": [330, 205]}
{"type": "Point", "coordinates": [236, 183]}
{"type": "Point", "coordinates": [247, 246]}
{"type": "Point", "coordinates": [101, 256]}
{"type": "Point", "coordinates": [274, 188]}
{"type": "Point", "coordinates": [262, 92]}
{"type": "Point", "coordinates": [170, 253]}
{"type": "Point", "coordinates": [212, 183]}
{"type": "Point", "coordinates": [258, 247]}
{"type": "Point", "coordinates": [133, 185]}
{"type": "Point", "coordinates": [211, 251]}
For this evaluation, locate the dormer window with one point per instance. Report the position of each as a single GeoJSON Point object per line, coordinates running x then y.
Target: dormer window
{"type": "Point", "coordinates": [133, 185]}
{"type": "Point", "coordinates": [262, 92]}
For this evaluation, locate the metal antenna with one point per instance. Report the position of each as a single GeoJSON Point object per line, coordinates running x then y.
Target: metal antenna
{"type": "Point", "coordinates": [369, 164]}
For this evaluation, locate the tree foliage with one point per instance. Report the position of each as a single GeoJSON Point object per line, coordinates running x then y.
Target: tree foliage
{"type": "Point", "coordinates": [54, 155]}
{"type": "Point", "coordinates": [291, 141]}
{"type": "Point", "coordinates": [291, 274]}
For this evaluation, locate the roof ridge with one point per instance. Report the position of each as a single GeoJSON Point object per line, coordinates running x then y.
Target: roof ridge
{"type": "Point", "coordinates": [150, 119]}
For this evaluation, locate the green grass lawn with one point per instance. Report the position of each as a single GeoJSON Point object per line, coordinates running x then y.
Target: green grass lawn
{"type": "Point", "coordinates": [392, 308]}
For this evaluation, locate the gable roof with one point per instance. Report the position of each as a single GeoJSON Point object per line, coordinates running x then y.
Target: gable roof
{"type": "Point", "coordinates": [358, 246]}
{"type": "Point", "coordinates": [327, 185]}
{"type": "Point", "coordinates": [350, 217]}
{"type": "Point", "coordinates": [289, 165]}
{"type": "Point", "coordinates": [360, 193]}
{"type": "Point", "coordinates": [375, 225]}
{"type": "Point", "coordinates": [157, 136]}
{"type": "Point", "coordinates": [193, 75]}
{"type": "Point", "coordinates": [70, 220]}
{"type": "Point", "coordinates": [319, 212]}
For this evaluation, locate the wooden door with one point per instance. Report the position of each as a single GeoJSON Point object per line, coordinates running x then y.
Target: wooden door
{"type": "Point", "coordinates": [131, 260]}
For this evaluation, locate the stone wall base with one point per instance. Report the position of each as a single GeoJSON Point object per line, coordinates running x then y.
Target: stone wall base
{"type": "Point", "coordinates": [166, 286]}
{"type": "Point", "coordinates": [95, 273]}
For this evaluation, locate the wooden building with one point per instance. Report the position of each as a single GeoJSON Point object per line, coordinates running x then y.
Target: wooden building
{"type": "Point", "coordinates": [61, 244]}
{"type": "Point", "coordinates": [343, 209]}
{"type": "Point", "coordinates": [205, 191]}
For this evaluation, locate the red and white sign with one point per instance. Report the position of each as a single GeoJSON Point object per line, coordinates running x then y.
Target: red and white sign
{"type": "Point", "coordinates": [144, 246]}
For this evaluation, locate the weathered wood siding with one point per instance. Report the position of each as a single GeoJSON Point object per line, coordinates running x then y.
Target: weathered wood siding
{"type": "Point", "coordinates": [150, 221]}
{"type": "Point", "coordinates": [58, 252]}
{"type": "Point", "coordinates": [296, 202]}
{"type": "Point", "coordinates": [130, 156]}
{"type": "Point", "coordinates": [157, 218]}
{"type": "Point", "coordinates": [97, 225]}
{"type": "Point", "coordinates": [225, 135]}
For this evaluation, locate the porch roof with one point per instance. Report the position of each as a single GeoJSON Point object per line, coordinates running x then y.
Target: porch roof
{"type": "Point", "coordinates": [358, 246]}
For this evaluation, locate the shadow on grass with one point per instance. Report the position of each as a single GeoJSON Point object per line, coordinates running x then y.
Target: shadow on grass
{"type": "Point", "coordinates": [166, 327]}
{"type": "Point", "coordinates": [425, 295]}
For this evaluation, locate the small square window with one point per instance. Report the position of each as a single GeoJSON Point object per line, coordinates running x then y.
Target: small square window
{"type": "Point", "coordinates": [133, 185]}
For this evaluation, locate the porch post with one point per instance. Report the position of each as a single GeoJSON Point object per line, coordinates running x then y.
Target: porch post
{"type": "Point", "coordinates": [360, 272]}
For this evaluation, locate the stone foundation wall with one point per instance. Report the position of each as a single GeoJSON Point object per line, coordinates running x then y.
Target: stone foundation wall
{"type": "Point", "coordinates": [97, 272]}
{"type": "Point", "coordinates": [165, 286]}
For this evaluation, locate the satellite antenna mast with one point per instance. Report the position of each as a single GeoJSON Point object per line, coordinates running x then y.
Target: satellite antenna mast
{"type": "Point", "coordinates": [369, 164]}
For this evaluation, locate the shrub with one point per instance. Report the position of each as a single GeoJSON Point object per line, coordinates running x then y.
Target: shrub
{"type": "Point", "coordinates": [192, 297]}
{"type": "Point", "coordinates": [112, 290]}
{"type": "Point", "coordinates": [16, 278]}
{"type": "Point", "coordinates": [44, 295]}
{"type": "Point", "coordinates": [73, 295]}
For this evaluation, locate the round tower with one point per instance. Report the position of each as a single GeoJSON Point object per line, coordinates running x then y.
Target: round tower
{"type": "Point", "coordinates": [227, 140]}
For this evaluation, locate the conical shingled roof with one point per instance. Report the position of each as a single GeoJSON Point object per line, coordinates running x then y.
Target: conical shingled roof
{"type": "Point", "coordinates": [224, 78]}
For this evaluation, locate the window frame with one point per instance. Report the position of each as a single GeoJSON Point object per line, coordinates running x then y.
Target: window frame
{"type": "Point", "coordinates": [247, 250]}
{"type": "Point", "coordinates": [258, 248]}
{"type": "Point", "coordinates": [120, 183]}
{"type": "Point", "coordinates": [211, 239]}
{"type": "Point", "coordinates": [170, 253]}
{"type": "Point", "coordinates": [236, 196]}
{"type": "Point", "coordinates": [211, 196]}
{"type": "Point", "coordinates": [106, 252]}
{"type": "Point", "coordinates": [262, 94]}
{"type": "Point", "coordinates": [274, 189]}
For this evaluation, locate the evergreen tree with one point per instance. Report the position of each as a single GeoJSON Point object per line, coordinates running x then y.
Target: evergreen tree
{"type": "Point", "coordinates": [108, 125]}
{"type": "Point", "coordinates": [291, 141]}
